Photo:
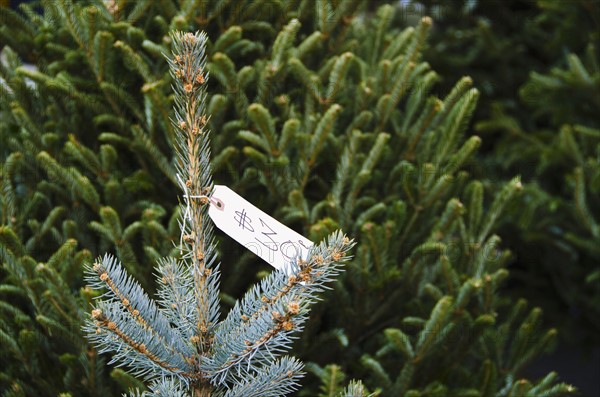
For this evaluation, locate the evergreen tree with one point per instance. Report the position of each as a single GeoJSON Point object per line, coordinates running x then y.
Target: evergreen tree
{"type": "Point", "coordinates": [536, 63]}
{"type": "Point", "coordinates": [180, 343]}
{"type": "Point", "coordinates": [326, 119]}
{"type": "Point", "coordinates": [560, 220]}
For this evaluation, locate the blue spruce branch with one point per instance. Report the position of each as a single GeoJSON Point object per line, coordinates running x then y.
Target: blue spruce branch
{"type": "Point", "coordinates": [177, 342]}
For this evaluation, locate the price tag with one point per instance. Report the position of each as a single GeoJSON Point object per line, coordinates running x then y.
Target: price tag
{"type": "Point", "coordinates": [274, 242]}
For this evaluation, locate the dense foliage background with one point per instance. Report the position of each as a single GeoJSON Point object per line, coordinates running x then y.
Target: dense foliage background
{"type": "Point", "coordinates": [536, 63]}
{"type": "Point", "coordinates": [465, 194]}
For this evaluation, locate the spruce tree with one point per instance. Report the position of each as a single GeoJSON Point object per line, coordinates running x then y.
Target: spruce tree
{"type": "Point", "coordinates": [179, 342]}
{"type": "Point", "coordinates": [326, 119]}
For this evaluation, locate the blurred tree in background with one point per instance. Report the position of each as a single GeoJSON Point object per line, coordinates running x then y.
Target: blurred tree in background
{"type": "Point", "coordinates": [536, 63]}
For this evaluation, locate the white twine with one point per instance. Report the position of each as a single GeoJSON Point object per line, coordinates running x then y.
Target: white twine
{"type": "Point", "coordinates": [188, 209]}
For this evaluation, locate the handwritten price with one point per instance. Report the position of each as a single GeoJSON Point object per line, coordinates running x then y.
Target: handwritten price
{"type": "Point", "coordinates": [274, 242]}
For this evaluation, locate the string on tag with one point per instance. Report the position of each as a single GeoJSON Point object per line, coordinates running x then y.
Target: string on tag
{"type": "Point", "coordinates": [213, 200]}
{"type": "Point", "coordinates": [187, 214]}
{"type": "Point", "coordinates": [216, 202]}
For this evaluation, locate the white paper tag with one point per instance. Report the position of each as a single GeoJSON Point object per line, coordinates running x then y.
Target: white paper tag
{"type": "Point", "coordinates": [274, 242]}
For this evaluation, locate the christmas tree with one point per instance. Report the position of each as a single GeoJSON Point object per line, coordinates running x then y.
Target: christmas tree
{"type": "Point", "coordinates": [326, 117]}
{"type": "Point", "coordinates": [182, 344]}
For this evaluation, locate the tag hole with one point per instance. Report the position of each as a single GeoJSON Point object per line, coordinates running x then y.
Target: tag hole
{"type": "Point", "coordinates": [219, 204]}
